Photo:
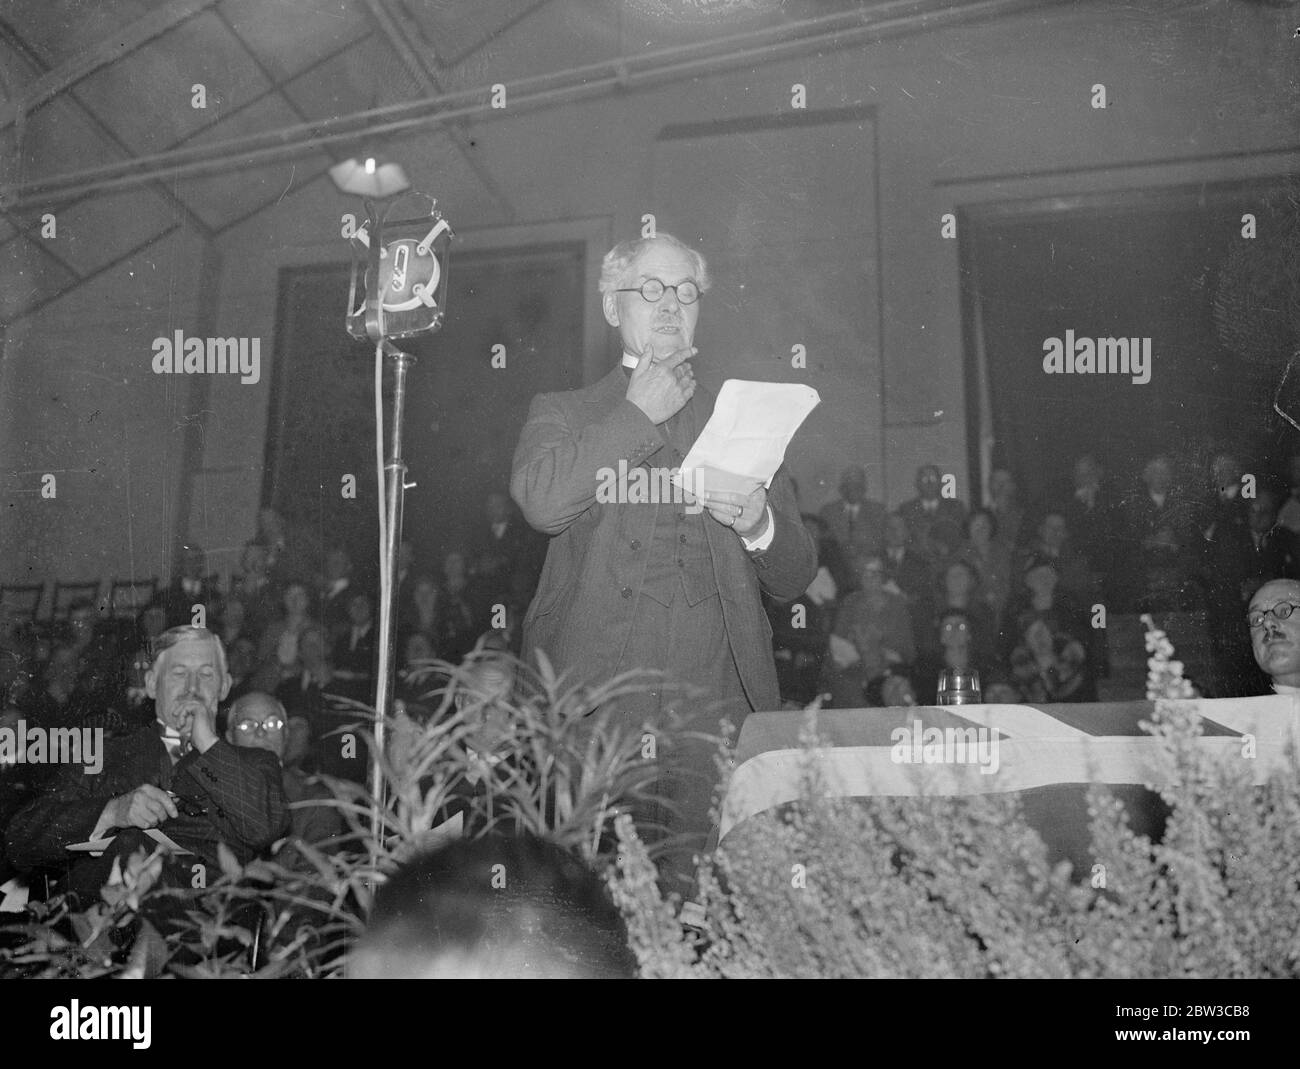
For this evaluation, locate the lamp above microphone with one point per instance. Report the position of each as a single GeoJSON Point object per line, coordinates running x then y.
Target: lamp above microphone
{"type": "Point", "coordinates": [369, 176]}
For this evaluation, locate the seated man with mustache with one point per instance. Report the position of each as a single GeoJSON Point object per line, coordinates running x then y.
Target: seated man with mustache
{"type": "Point", "coordinates": [1275, 633]}
{"type": "Point", "coordinates": [176, 775]}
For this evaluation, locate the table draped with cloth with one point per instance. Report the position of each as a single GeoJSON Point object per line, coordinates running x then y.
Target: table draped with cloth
{"type": "Point", "coordinates": [1047, 753]}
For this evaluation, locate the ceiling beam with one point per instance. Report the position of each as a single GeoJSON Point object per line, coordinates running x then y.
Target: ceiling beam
{"type": "Point", "coordinates": [16, 42]}
{"type": "Point", "coordinates": [430, 83]}
{"type": "Point", "coordinates": [623, 73]}
{"type": "Point", "coordinates": [110, 49]}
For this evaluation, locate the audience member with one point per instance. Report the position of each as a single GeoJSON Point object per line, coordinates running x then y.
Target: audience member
{"type": "Point", "coordinates": [278, 649]}
{"type": "Point", "coordinates": [192, 585]}
{"type": "Point", "coordinates": [931, 514]}
{"type": "Point", "coordinates": [259, 721]}
{"type": "Point", "coordinates": [254, 589]}
{"type": "Point", "coordinates": [336, 593]}
{"type": "Point", "coordinates": [1048, 665]}
{"type": "Point", "coordinates": [958, 588]}
{"type": "Point", "coordinates": [855, 521]}
{"type": "Point", "coordinates": [952, 645]}
{"type": "Point", "coordinates": [460, 624]}
{"type": "Point", "coordinates": [1052, 541]}
{"type": "Point", "coordinates": [1040, 595]}
{"type": "Point", "coordinates": [986, 552]}
{"type": "Point", "coordinates": [177, 775]}
{"type": "Point", "coordinates": [354, 652]}
{"type": "Point", "coordinates": [1093, 521]}
{"type": "Point", "coordinates": [420, 610]}
{"type": "Point", "coordinates": [910, 572]}
{"type": "Point", "coordinates": [872, 632]}
{"type": "Point", "coordinates": [1159, 527]}
{"type": "Point", "coordinates": [1006, 506]}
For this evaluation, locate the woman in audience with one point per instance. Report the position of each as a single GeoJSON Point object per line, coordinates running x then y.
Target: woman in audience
{"type": "Point", "coordinates": [960, 590]}
{"type": "Point", "coordinates": [1040, 594]}
{"type": "Point", "coordinates": [457, 627]}
{"type": "Point", "coordinates": [419, 613]}
{"type": "Point", "coordinates": [232, 622]}
{"type": "Point", "coordinates": [279, 643]}
{"type": "Point", "coordinates": [1050, 666]}
{"type": "Point", "coordinates": [952, 646]}
{"type": "Point", "coordinates": [872, 632]}
{"type": "Point", "coordinates": [984, 551]}
{"type": "Point", "coordinates": [253, 587]}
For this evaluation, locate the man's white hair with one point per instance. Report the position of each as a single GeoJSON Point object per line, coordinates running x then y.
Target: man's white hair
{"type": "Point", "coordinates": [613, 269]}
{"type": "Point", "coordinates": [174, 636]}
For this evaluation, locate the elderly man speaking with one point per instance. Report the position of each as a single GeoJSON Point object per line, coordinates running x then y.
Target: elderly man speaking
{"type": "Point", "coordinates": [177, 776]}
{"type": "Point", "coordinates": [662, 585]}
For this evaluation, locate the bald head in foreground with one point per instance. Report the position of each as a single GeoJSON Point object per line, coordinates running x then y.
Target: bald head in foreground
{"type": "Point", "coordinates": [494, 907]}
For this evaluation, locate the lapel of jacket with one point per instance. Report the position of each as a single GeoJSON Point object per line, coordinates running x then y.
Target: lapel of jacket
{"type": "Point", "coordinates": [605, 394]}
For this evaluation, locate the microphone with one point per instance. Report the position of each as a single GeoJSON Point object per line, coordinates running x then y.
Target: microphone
{"type": "Point", "coordinates": [401, 268]}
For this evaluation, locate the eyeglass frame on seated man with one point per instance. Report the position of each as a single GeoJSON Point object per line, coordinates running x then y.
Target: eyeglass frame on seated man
{"type": "Point", "coordinates": [261, 725]}
{"type": "Point", "coordinates": [1264, 614]}
{"type": "Point", "coordinates": [665, 287]}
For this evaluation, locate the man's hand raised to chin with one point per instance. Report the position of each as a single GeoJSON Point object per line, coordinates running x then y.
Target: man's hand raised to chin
{"type": "Point", "coordinates": [201, 728]}
{"type": "Point", "coordinates": [660, 386]}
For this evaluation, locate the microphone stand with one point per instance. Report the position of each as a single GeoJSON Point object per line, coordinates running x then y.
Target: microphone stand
{"type": "Point", "coordinates": [395, 499]}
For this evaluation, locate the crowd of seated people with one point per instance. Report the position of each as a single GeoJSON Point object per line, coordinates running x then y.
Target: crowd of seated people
{"type": "Point", "coordinates": [1011, 589]}
{"type": "Point", "coordinates": [298, 635]}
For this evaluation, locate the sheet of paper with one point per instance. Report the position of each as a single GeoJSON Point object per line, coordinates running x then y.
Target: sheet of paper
{"type": "Point", "coordinates": [745, 440]}
{"type": "Point", "coordinates": [166, 841]}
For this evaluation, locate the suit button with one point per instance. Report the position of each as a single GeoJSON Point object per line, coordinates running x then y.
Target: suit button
{"type": "Point", "coordinates": [681, 563]}
{"type": "Point", "coordinates": [627, 592]}
{"type": "Point", "coordinates": [681, 539]}
{"type": "Point", "coordinates": [636, 543]}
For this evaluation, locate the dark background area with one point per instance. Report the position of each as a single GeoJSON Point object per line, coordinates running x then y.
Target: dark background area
{"type": "Point", "coordinates": [463, 416]}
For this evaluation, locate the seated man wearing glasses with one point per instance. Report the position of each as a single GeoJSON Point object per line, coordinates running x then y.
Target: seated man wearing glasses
{"type": "Point", "coordinates": [258, 721]}
{"type": "Point", "coordinates": [664, 584]}
{"type": "Point", "coordinates": [1275, 633]}
{"type": "Point", "coordinates": [175, 777]}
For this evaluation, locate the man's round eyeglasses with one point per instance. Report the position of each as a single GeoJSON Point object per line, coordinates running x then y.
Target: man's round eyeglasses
{"type": "Point", "coordinates": [1282, 610]}
{"type": "Point", "coordinates": [652, 289]}
{"type": "Point", "coordinates": [273, 723]}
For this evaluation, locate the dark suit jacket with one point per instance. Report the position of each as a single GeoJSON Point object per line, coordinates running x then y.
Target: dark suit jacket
{"type": "Point", "coordinates": [240, 789]}
{"type": "Point", "coordinates": [868, 528]}
{"type": "Point", "coordinates": [945, 521]}
{"type": "Point", "coordinates": [582, 615]}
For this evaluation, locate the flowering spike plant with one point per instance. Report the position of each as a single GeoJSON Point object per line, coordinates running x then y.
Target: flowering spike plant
{"type": "Point", "coordinates": [1164, 674]}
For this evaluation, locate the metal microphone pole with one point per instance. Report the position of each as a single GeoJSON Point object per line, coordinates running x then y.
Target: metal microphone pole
{"type": "Point", "coordinates": [395, 499]}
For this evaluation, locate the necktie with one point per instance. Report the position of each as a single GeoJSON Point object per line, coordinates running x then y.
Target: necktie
{"type": "Point", "coordinates": [176, 746]}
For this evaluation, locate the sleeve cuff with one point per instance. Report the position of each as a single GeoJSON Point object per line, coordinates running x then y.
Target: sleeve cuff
{"type": "Point", "coordinates": [765, 539]}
